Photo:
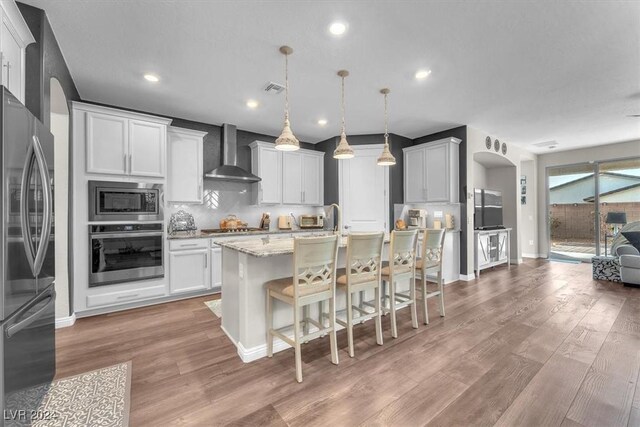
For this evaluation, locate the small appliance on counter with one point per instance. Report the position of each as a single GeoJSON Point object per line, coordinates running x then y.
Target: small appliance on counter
{"type": "Point", "coordinates": [417, 218]}
{"type": "Point", "coordinates": [284, 222]}
{"type": "Point", "coordinates": [181, 221]}
{"type": "Point", "coordinates": [312, 221]}
{"type": "Point", "coordinates": [450, 223]}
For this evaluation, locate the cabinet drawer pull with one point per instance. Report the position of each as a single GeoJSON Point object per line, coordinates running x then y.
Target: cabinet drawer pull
{"type": "Point", "coordinates": [184, 245]}
{"type": "Point", "coordinates": [128, 296]}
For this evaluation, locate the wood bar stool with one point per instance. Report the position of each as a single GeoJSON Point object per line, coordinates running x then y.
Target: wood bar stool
{"type": "Point", "coordinates": [401, 265]}
{"type": "Point", "coordinates": [430, 262]}
{"type": "Point", "coordinates": [362, 273]}
{"type": "Point", "coordinates": [313, 281]}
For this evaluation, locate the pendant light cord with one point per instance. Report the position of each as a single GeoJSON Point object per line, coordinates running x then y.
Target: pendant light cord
{"type": "Point", "coordinates": [343, 126]}
{"type": "Point", "coordinates": [386, 121]}
{"type": "Point", "coordinates": [286, 86]}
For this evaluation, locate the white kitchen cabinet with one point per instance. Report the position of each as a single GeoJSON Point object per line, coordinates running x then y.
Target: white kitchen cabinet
{"type": "Point", "coordinates": [15, 36]}
{"type": "Point", "coordinates": [147, 142]}
{"type": "Point", "coordinates": [124, 143]}
{"type": "Point", "coordinates": [185, 179]}
{"type": "Point", "coordinates": [290, 178]}
{"type": "Point", "coordinates": [107, 144]}
{"type": "Point", "coordinates": [189, 270]}
{"type": "Point", "coordinates": [215, 254]}
{"type": "Point", "coordinates": [312, 179]}
{"type": "Point", "coordinates": [431, 172]}
{"type": "Point", "coordinates": [266, 162]}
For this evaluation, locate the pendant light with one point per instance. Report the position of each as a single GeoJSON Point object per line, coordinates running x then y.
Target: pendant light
{"type": "Point", "coordinates": [286, 141]}
{"type": "Point", "coordinates": [343, 150]}
{"type": "Point", "coordinates": [386, 158]}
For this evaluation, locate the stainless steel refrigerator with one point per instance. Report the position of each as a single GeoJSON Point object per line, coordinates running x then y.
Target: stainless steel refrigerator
{"type": "Point", "coordinates": [27, 262]}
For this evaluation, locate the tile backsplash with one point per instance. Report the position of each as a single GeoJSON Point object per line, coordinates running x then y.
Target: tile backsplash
{"type": "Point", "coordinates": [222, 198]}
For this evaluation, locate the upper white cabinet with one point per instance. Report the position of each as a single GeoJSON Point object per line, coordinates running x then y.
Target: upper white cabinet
{"type": "Point", "coordinates": [14, 38]}
{"type": "Point", "coordinates": [431, 172]}
{"type": "Point", "coordinates": [122, 143]}
{"type": "Point", "coordinates": [291, 178]}
{"type": "Point", "coordinates": [147, 142]}
{"type": "Point", "coordinates": [266, 162]}
{"type": "Point", "coordinates": [185, 180]}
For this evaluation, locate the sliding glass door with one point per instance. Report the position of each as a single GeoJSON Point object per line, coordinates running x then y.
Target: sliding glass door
{"type": "Point", "coordinates": [588, 204]}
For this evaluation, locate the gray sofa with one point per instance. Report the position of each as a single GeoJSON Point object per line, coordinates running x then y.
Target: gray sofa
{"type": "Point", "coordinates": [629, 264]}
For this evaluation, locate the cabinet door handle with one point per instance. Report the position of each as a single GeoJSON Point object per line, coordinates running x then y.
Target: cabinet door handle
{"type": "Point", "coordinates": [130, 171]}
{"type": "Point", "coordinates": [206, 259]}
{"type": "Point", "coordinates": [8, 67]}
{"type": "Point", "coordinates": [124, 162]}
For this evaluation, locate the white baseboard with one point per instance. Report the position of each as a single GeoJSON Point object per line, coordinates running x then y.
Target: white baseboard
{"type": "Point", "coordinates": [467, 277]}
{"type": "Point", "coordinates": [534, 255]}
{"type": "Point", "coordinates": [64, 322]}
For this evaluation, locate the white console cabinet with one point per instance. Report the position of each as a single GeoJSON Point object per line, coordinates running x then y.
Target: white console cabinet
{"type": "Point", "coordinates": [491, 248]}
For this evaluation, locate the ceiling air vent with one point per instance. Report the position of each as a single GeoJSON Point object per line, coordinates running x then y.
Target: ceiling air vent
{"type": "Point", "coordinates": [274, 88]}
{"type": "Point", "coordinates": [546, 144]}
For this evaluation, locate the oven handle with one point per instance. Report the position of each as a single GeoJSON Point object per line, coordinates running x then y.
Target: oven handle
{"type": "Point", "coordinates": [123, 235]}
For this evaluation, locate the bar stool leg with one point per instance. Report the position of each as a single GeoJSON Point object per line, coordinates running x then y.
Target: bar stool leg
{"type": "Point", "coordinates": [383, 297]}
{"type": "Point", "coordinates": [350, 322]}
{"type": "Point", "coordinates": [441, 289]}
{"type": "Point", "coordinates": [296, 340]}
{"type": "Point", "coordinates": [269, 325]}
{"type": "Point", "coordinates": [392, 304]}
{"type": "Point", "coordinates": [378, 317]}
{"type": "Point", "coordinates": [332, 335]}
{"type": "Point", "coordinates": [305, 316]}
{"type": "Point", "coordinates": [414, 311]}
{"type": "Point", "coordinates": [423, 283]}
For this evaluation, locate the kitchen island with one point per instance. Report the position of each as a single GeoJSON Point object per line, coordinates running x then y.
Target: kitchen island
{"type": "Point", "coordinates": [246, 265]}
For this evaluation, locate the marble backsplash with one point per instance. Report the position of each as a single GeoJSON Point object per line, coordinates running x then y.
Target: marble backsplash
{"type": "Point", "coordinates": [222, 198]}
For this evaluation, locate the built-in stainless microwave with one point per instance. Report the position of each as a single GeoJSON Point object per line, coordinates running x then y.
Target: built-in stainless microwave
{"type": "Point", "coordinates": [125, 201]}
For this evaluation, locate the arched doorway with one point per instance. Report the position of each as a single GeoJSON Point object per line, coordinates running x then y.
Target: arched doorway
{"type": "Point", "coordinates": [59, 127]}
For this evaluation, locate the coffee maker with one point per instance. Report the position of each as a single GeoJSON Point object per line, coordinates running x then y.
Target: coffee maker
{"type": "Point", "coordinates": [417, 218]}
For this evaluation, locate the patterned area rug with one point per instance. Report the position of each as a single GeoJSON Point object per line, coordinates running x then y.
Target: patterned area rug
{"type": "Point", "coordinates": [96, 398]}
{"type": "Point", "coordinates": [215, 306]}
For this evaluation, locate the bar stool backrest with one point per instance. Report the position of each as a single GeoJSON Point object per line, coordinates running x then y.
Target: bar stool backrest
{"type": "Point", "coordinates": [402, 253]}
{"type": "Point", "coordinates": [432, 243]}
{"type": "Point", "coordinates": [364, 256]}
{"type": "Point", "coordinates": [314, 264]}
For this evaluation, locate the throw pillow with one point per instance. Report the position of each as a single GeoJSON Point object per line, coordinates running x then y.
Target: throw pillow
{"type": "Point", "coordinates": [633, 237]}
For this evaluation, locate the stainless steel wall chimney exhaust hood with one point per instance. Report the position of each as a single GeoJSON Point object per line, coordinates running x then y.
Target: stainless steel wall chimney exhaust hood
{"type": "Point", "coordinates": [229, 171]}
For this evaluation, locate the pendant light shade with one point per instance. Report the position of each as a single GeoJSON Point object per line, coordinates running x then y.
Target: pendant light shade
{"type": "Point", "coordinates": [287, 140]}
{"type": "Point", "coordinates": [386, 158]}
{"type": "Point", "coordinates": [343, 150]}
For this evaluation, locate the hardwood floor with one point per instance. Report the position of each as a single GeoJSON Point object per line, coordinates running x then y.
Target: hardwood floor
{"type": "Point", "coordinates": [537, 344]}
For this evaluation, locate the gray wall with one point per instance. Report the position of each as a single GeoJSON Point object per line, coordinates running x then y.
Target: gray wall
{"type": "Point", "coordinates": [44, 60]}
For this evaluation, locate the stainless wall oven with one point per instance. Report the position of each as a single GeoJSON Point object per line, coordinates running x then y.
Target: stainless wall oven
{"type": "Point", "coordinates": [125, 252]}
{"type": "Point", "coordinates": [124, 201]}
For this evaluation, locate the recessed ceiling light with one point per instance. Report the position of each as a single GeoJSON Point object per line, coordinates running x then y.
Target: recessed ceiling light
{"type": "Point", "coordinates": [252, 103]}
{"type": "Point", "coordinates": [152, 78]}
{"type": "Point", "coordinates": [322, 122]}
{"type": "Point", "coordinates": [422, 74]}
{"type": "Point", "coordinates": [337, 28]}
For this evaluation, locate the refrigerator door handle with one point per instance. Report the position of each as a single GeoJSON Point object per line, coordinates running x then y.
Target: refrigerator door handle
{"type": "Point", "coordinates": [16, 327]}
{"type": "Point", "coordinates": [27, 238]}
{"type": "Point", "coordinates": [46, 205]}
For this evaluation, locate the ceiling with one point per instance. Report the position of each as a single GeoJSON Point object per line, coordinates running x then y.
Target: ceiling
{"type": "Point", "coordinates": [525, 72]}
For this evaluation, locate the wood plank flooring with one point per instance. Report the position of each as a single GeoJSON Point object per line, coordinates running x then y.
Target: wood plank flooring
{"type": "Point", "coordinates": [536, 344]}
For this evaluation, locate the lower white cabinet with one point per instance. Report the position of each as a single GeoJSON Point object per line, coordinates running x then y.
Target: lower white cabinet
{"type": "Point", "coordinates": [215, 254]}
{"type": "Point", "coordinates": [189, 270]}
{"type": "Point", "coordinates": [125, 296]}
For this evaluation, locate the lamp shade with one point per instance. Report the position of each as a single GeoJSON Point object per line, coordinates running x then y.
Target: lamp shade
{"type": "Point", "coordinates": [616, 218]}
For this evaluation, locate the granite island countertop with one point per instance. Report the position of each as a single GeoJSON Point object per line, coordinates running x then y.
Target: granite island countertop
{"type": "Point", "coordinates": [273, 246]}
{"type": "Point", "coordinates": [198, 234]}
